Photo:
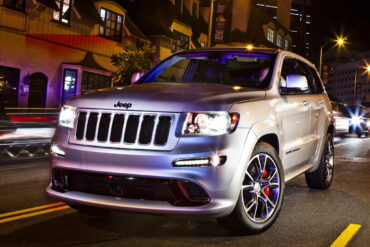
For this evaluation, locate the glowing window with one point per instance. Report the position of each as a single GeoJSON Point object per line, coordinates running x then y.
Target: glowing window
{"type": "Point", "coordinates": [270, 35]}
{"type": "Point", "coordinates": [112, 27]}
{"type": "Point", "coordinates": [63, 14]}
{"type": "Point", "coordinates": [69, 83]}
{"type": "Point", "coordinates": [287, 44]}
{"type": "Point", "coordinates": [279, 41]}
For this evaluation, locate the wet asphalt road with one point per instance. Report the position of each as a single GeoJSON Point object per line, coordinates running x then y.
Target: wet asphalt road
{"type": "Point", "coordinates": [308, 217]}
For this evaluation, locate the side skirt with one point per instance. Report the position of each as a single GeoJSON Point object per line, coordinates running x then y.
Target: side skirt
{"type": "Point", "coordinates": [298, 172]}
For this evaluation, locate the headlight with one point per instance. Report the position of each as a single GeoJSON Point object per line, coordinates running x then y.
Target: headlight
{"type": "Point", "coordinates": [210, 123]}
{"type": "Point", "coordinates": [355, 120]}
{"type": "Point", "coordinates": [67, 116]}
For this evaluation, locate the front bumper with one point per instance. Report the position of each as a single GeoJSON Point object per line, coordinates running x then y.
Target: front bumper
{"type": "Point", "coordinates": [220, 183]}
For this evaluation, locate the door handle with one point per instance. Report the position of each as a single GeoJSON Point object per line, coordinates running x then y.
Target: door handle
{"type": "Point", "coordinates": [321, 102]}
{"type": "Point", "coordinates": [306, 103]}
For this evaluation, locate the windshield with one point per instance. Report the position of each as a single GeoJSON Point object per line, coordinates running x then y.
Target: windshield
{"type": "Point", "coordinates": [229, 68]}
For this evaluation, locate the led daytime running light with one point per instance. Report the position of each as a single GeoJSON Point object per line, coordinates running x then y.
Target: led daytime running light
{"type": "Point", "coordinates": [199, 162]}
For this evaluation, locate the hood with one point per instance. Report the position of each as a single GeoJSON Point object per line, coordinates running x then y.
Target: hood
{"type": "Point", "coordinates": [167, 97]}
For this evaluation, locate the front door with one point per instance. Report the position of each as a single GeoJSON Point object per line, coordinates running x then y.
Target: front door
{"type": "Point", "coordinates": [37, 90]}
{"type": "Point", "coordinates": [296, 110]}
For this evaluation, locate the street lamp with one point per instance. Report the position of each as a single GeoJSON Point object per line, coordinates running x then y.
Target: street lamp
{"type": "Point", "coordinates": [367, 81]}
{"type": "Point", "coordinates": [339, 42]}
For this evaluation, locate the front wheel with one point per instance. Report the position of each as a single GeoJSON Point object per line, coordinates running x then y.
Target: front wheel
{"type": "Point", "coordinates": [261, 193]}
{"type": "Point", "coordinates": [323, 176]}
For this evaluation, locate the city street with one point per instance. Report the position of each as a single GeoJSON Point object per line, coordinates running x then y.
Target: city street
{"type": "Point", "coordinates": [308, 217]}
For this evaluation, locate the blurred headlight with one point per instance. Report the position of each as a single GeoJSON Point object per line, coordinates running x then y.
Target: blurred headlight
{"type": "Point", "coordinates": [67, 116]}
{"type": "Point", "coordinates": [356, 120]}
{"type": "Point", "coordinates": [210, 123]}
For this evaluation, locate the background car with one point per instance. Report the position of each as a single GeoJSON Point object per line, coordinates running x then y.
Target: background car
{"type": "Point", "coordinates": [358, 121]}
{"type": "Point", "coordinates": [341, 118]}
{"type": "Point", "coordinates": [25, 133]}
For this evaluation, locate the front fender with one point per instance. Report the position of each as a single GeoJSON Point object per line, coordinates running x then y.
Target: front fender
{"type": "Point", "coordinates": [267, 127]}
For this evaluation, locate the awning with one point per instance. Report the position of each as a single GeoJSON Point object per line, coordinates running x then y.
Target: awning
{"type": "Point", "coordinates": [89, 62]}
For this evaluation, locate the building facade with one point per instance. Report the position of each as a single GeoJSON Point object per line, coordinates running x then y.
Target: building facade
{"type": "Point", "coordinates": [348, 79]}
{"type": "Point", "coordinates": [53, 50]}
{"type": "Point", "coordinates": [184, 24]}
{"type": "Point", "coordinates": [301, 22]}
{"type": "Point", "coordinates": [258, 22]}
{"type": "Point", "coordinates": [171, 25]}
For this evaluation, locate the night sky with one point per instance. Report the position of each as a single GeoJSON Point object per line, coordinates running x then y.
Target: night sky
{"type": "Point", "coordinates": [348, 17]}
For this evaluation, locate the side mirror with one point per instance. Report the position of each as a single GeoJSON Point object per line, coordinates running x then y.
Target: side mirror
{"type": "Point", "coordinates": [296, 81]}
{"type": "Point", "coordinates": [136, 76]}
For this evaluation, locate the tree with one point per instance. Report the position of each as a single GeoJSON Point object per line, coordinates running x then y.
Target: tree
{"type": "Point", "coordinates": [131, 60]}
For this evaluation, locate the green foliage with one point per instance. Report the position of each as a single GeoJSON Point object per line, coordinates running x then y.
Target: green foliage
{"type": "Point", "coordinates": [131, 60]}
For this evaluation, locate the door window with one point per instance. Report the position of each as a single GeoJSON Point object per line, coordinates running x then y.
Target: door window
{"type": "Point", "coordinates": [316, 82]}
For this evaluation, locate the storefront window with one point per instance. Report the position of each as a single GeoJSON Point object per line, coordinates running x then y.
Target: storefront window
{"type": "Point", "coordinates": [9, 81]}
{"type": "Point", "coordinates": [93, 81]}
{"type": "Point", "coordinates": [69, 83]}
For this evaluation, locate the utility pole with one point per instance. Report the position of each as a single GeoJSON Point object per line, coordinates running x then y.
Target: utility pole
{"type": "Point", "coordinates": [210, 24]}
{"type": "Point", "coordinates": [354, 88]}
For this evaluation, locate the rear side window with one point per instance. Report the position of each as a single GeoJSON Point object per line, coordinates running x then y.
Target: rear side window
{"type": "Point", "coordinates": [316, 82]}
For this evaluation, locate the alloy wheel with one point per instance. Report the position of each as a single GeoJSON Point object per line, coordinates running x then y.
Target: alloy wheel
{"type": "Point", "coordinates": [261, 188]}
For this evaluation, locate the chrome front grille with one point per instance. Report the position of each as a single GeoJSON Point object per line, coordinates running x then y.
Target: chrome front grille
{"type": "Point", "coordinates": [141, 130]}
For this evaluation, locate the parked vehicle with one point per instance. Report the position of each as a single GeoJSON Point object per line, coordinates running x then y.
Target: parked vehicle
{"type": "Point", "coordinates": [358, 120]}
{"type": "Point", "coordinates": [341, 118]}
{"type": "Point", "coordinates": [213, 132]}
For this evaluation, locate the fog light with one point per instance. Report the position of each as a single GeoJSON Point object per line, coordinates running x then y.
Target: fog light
{"type": "Point", "coordinates": [214, 160]}
{"type": "Point", "coordinates": [57, 151]}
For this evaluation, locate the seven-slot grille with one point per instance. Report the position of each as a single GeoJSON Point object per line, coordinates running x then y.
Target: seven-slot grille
{"type": "Point", "coordinates": [125, 128]}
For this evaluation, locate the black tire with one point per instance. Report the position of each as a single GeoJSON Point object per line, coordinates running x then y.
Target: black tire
{"type": "Point", "coordinates": [240, 221]}
{"type": "Point", "coordinates": [88, 210]}
{"type": "Point", "coordinates": [322, 177]}
{"type": "Point", "coordinates": [359, 133]}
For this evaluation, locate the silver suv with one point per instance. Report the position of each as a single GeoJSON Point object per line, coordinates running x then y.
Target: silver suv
{"type": "Point", "coordinates": [213, 132]}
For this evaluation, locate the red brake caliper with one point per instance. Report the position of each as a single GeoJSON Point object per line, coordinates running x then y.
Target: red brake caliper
{"type": "Point", "coordinates": [266, 190]}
